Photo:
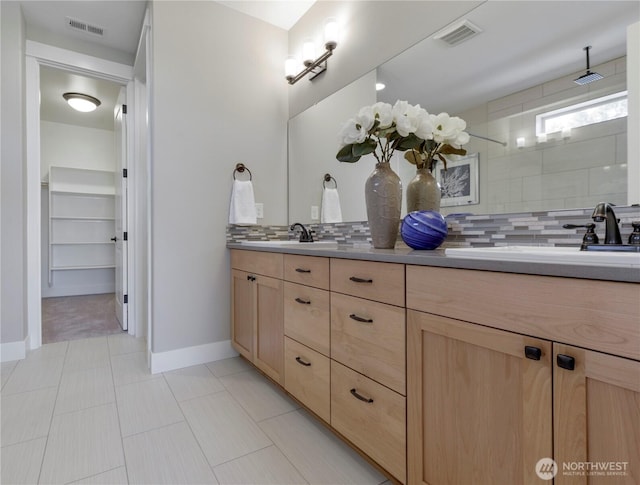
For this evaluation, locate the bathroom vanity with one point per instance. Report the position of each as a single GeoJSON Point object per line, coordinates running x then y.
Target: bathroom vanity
{"type": "Point", "coordinates": [448, 370]}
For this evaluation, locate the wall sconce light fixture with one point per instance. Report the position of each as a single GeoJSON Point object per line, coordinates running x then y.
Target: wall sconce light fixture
{"type": "Point", "coordinates": [81, 102]}
{"type": "Point", "coordinates": [312, 65]}
{"type": "Point", "coordinates": [520, 142]}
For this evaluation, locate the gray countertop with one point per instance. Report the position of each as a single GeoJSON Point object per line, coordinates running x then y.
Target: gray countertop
{"type": "Point", "coordinates": [438, 258]}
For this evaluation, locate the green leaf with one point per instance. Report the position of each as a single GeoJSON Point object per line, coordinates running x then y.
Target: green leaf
{"type": "Point", "coordinates": [346, 154]}
{"type": "Point", "coordinates": [364, 148]}
{"type": "Point", "coordinates": [410, 142]}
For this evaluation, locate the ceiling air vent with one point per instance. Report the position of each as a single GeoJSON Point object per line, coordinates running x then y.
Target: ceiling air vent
{"type": "Point", "coordinates": [457, 32]}
{"type": "Point", "coordinates": [82, 26]}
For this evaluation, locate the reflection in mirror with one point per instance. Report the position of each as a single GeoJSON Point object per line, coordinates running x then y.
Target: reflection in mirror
{"type": "Point", "coordinates": [498, 87]}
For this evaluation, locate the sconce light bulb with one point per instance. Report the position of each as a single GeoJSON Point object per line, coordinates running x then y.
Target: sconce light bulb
{"type": "Point", "coordinates": [520, 141]}
{"type": "Point", "coordinates": [290, 67]}
{"type": "Point", "coordinates": [566, 132]}
{"type": "Point", "coordinates": [331, 33]}
{"type": "Point", "coordinates": [542, 138]}
{"type": "Point", "coordinates": [308, 52]}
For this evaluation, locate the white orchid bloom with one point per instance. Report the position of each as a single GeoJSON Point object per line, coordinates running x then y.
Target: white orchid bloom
{"type": "Point", "coordinates": [462, 138]}
{"type": "Point", "coordinates": [384, 113]}
{"type": "Point", "coordinates": [444, 129]}
{"type": "Point", "coordinates": [366, 118]}
{"type": "Point", "coordinates": [351, 133]}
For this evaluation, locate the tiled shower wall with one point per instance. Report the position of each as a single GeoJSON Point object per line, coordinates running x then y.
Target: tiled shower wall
{"type": "Point", "coordinates": [577, 170]}
{"type": "Point", "coordinates": [525, 228]}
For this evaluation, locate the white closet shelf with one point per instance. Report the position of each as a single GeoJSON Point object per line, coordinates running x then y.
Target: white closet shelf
{"type": "Point", "coordinates": [78, 243]}
{"type": "Point", "coordinates": [97, 266]}
{"type": "Point", "coordinates": [83, 218]}
{"type": "Point", "coordinates": [73, 190]}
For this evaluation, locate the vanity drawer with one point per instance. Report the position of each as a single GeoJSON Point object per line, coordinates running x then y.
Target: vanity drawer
{"type": "Point", "coordinates": [306, 316]}
{"type": "Point", "coordinates": [371, 416]}
{"type": "Point", "coordinates": [307, 270]}
{"type": "Point", "coordinates": [307, 377]}
{"type": "Point", "coordinates": [369, 337]}
{"type": "Point", "coordinates": [256, 262]}
{"type": "Point", "coordinates": [372, 280]}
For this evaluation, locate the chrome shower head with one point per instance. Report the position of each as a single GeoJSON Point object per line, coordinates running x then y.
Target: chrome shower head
{"type": "Point", "coordinates": [588, 77]}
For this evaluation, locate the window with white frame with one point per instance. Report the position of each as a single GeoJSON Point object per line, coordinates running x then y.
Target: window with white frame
{"type": "Point", "coordinates": [589, 112]}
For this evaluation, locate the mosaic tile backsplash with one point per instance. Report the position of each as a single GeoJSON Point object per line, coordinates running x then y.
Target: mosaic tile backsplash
{"type": "Point", "coordinates": [542, 228]}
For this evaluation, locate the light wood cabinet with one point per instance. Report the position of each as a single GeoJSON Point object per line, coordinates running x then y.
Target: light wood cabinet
{"type": "Point", "coordinates": [596, 415]}
{"type": "Point", "coordinates": [257, 330]}
{"type": "Point", "coordinates": [484, 406]}
{"type": "Point", "coordinates": [306, 316]}
{"type": "Point", "coordinates": [479, 410]}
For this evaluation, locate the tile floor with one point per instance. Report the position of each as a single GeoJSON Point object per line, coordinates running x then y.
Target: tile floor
{"type": "Point", "coordinates": [88, 411]}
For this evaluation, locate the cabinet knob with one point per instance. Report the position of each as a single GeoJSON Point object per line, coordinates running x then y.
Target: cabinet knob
{"type": "Point", "coordinates": [303, 302]}
{"type": "Point", "coordinates": [302, 270]}
{"type": "Point", "coordinates": [302, 362]}
{"type": "Point", "coordinates": [355, 394]}
{"type": "Point", "coordinates": [355, 317]}
{"type": "Point", "coordinates": [566, 362]}
{"type": "Point", "coordinates": [355, 279]}
{"type": "Point", "coordinates": [533, 353]}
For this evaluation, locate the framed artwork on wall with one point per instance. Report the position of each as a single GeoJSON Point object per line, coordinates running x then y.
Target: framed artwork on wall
{"type": "Point", "coordinates": [459, 183]}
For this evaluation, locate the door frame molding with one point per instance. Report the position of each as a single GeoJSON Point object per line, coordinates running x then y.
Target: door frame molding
{"type": "Point", "coordinates": [36, 55]}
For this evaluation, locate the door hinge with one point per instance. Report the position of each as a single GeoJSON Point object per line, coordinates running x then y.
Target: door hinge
{"type": "Point", "coordinates": [125, 236]}
{"type": "Point", "coordinates": [124, 173]}
{"type": "Point", "coordinates": [125, 299]}
{"type": "Point", "coordinates": [124, 109]}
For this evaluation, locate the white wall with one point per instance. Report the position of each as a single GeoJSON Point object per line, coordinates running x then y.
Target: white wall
{"type": "Point", "coordinates": [371, 33]}
{"type": "Point", "coordinates": [12, 202]}
{"type": "Point", "coordinates": [633, 126]}
{"type": "Point", "coordinates": [218, 97]}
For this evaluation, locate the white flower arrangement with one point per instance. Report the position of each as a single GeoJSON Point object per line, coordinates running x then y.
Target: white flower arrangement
{"type": "Point", "coordinates": [381, 129]}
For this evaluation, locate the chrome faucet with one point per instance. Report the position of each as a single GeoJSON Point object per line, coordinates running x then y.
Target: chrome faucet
{"type": "Point", "coordinates": [604, 212]}
{"type": "Point", "coordinates": [305, 235]}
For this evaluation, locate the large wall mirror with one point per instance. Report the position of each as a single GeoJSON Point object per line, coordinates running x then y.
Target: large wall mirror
{"type": "Point", "coordinates": [522, 64]}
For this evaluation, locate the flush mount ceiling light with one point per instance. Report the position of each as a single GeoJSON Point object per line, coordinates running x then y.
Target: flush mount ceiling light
{"type": "Point", "coordinates": [312, 66]}
{"type": "Point", "coordinates": [587, 77]}
{"type": "Point", "coordinates": [81, 102]}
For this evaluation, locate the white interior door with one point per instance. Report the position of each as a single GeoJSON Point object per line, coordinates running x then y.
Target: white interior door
{"type": "Point", "coordinates": [121, 210]}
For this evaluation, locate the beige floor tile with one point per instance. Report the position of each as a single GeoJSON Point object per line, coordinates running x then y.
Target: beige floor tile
{"type": "Point", "coordinates": [225, 367]}
{"type": "Point", "coordinates": [192, 382]}
{"type": "Point", "coordinates": [84, 389]}
{"type": "Point", "coordinates": [21, 462]}
{"type": "Point", "coordinates": [82, 444]}
{"type": "Point", "coordinates": [166, 455]}
{"type": "Point", "coordinates": [6, 368]}
{"type": "Point", "coordinates": [143, 406]}
{"type": "Point", "coordinates": [117, 476]}
{"type": "Point", "coordinates": [267, 466]}
{"type": "Point", "coordinates": [47, 351]}
{"type": "Point", "coordinates": [87, 353]}
{"type": "Point", "coordinates": [259, 397]}
{"type": "Point", "coordinates": [223, 429]}
{"type": "Point", "coordinates": [27, 415]}
{"type": "Point", "coordinates": [129, 368]}
{"type": "Point", "coordinates": [125, 344]}
{"type": "Point", "coordinates": [31, 375]}
{"type": "Point", "coordinates": [316, 453]}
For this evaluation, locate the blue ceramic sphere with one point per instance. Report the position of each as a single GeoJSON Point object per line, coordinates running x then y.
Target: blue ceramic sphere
{"type": "Point", "coordinates": [423, 229]}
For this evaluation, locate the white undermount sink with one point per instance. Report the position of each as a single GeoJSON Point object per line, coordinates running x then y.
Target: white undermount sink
{"type": "Point", "coordinates": [291, 243]}
{"type": "Point", "coordinates": [547, 254]}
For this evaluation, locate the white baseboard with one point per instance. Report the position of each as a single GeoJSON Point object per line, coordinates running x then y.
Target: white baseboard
{"type": "Point", "coordinates": [13, 351]}
{"type": "Point", "coordinates": [188, 356]}
{"type": "Point", "coordinates": [76, 290]}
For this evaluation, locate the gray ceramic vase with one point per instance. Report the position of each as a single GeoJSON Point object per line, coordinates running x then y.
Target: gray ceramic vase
{"type": "Point", "coordinates": [383, 195]}
{"type": "Point", "coordinates": [423, 192]}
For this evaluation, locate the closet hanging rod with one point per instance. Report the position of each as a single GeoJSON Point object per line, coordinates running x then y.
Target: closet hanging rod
{"type": "Point", "coordinates": [503, 143]}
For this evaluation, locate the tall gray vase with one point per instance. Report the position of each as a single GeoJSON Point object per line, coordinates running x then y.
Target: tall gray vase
{"type": "Point", "coordinates": [383, 196]}
{"type": "Point", "coordinates": [423, 192]}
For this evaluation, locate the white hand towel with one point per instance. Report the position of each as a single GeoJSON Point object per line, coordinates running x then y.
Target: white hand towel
{"type": "Point", "coordinates": [243, 205]}
{"type": "Point", "coordinates": [331, 211]}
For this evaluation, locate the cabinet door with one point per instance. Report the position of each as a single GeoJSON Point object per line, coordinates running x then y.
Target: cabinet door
{"type": "Point", "coordinates": [269, 331]}
{"type": "Point", "coordinates": [242, 313]}
{"type": "Point", "coordinates": [596, 416]}
{"type": "Point", "coordinates": [479, 410]}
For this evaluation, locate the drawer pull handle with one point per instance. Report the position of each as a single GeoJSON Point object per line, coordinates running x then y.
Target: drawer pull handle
{"type": "Point", "coordinates": [566, 362]}
{"type": "Point", "coordinates": [355, 317]}
{"type": "Point", "coordinates": [251, 278]}
{"type": "Point", "coordinates": [302, 362]}
{"type": "Point", "coordinates": [355, 279]}
{"type": "Point", "coordinates": [303, 302]}
{"type": "Point", "coordinates": [355, 394]}
{"type": "Point", "coordinates": [301, 270]}
{"type": "Point", "coordinates": [533, 353]}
